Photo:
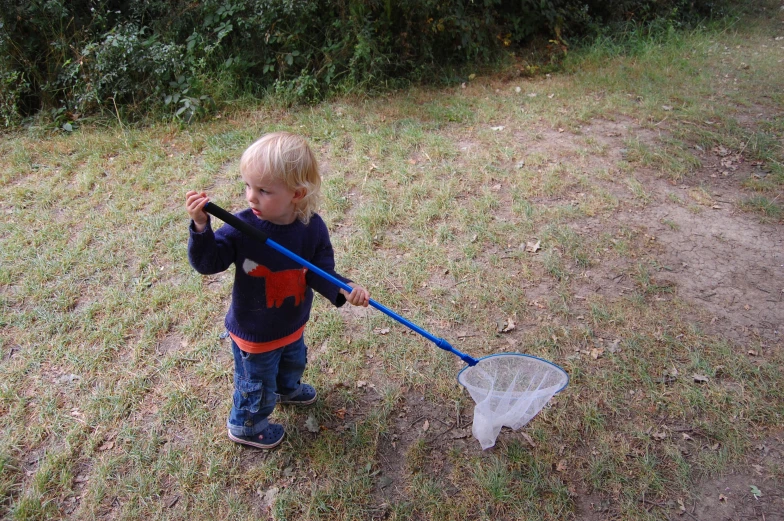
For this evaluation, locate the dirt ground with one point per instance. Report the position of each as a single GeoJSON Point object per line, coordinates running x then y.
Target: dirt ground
{"type": "Point", "coordinates": [727, 263]}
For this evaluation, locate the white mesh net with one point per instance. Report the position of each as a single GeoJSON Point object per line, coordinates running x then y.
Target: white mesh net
{"type": "Point", "coordinates": [509, 390]}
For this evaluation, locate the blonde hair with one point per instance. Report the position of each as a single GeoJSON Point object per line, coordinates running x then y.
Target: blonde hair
{"type": "Point", "coordinates": [286, 157]}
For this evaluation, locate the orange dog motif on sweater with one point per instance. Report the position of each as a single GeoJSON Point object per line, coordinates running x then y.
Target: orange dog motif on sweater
{"type": "Point", "coordinates": [280, 284]}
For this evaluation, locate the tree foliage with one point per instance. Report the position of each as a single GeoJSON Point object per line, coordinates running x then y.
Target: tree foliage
{"type": "Point", "coordinates": [81, 57]}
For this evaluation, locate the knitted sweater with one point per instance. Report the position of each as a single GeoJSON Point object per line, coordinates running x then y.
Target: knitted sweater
{"type": "Point", "coordinates": [272, 294]}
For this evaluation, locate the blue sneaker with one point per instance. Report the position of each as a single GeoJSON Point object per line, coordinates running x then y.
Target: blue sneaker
{"type": "Point", "coordinates": [266, 439]}
{"type": "Point", "coordinates": [307, 395]}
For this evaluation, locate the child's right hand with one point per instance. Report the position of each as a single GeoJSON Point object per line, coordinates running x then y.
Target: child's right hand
{"type": "Point", "coordinates": [194, 203]}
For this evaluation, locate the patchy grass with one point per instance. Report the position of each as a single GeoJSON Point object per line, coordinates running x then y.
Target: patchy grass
{"type": "Point", "coordinates": [115, 382]}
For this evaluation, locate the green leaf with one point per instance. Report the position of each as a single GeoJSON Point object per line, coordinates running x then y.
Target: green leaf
{"type": "Point", "coordinates": [68, 127]}
{"type": "Point", "coordinates": [757, 493]}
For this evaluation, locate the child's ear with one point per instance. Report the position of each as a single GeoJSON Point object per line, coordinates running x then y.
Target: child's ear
{"type": "Point", "coordinates": [299, 194]}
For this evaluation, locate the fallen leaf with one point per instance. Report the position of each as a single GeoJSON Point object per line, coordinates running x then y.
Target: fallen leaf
{"type": "Point", "coordinates": [528, 439]}
{"type": "Point", "coordinates": [659, 435]}
{"type": "Point", "coordinates": [426, 426]}
{"type": "Point", "coordinates": [596, 353]}
{"type": "Point", "coordinates": [312, 424]}
{"type": "Point", "coordinates": [686, 437]}
{"type": "Point", "coordinates": [533, 247]}
{"type": "Point", "coordinates": [68, 379]}
{"type": "Point", "coordinates": [361, 384]}
{"type": "Point", "coordinates": [497, 128]}
{"type": "Point", "coordinates": [562, 466]}
{"type": "Point", "coordinates": [382, 331]}
{"type": "Point", "coordinates": [461, 433]}
{"type": "Point", "coordinates": [699, 378]}
{"type": "Point", "coordinates": [757, 493]}
{"type": "Point", "coordinates": [666, 107]}
{"type": "Point", "coordinates": [269, 497]}
{"type": "Point", "coordinates": [106, 446]}
{"type": "Point", "coordinates": [341, 413]}
{"type": "Point", "coordinates": [510, 326]}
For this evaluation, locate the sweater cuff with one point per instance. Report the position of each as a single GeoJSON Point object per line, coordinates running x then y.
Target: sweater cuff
{"type": "Point", "coordinates": [207, 227]}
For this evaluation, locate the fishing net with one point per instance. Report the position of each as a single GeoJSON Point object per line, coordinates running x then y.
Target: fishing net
{"type": "Point", "coordinates": [509, 390]}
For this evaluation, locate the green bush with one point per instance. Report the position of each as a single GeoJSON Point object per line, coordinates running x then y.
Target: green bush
{"type": "Point", "coordinates": [83, 57]}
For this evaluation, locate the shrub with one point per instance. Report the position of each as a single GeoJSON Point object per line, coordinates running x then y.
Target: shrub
{"type": "Point", "coordinates": [82, 57]}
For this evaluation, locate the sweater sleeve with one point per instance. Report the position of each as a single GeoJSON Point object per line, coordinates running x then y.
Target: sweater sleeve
{"type": "Point", "coordinates": [210, 252]}
{"type": "Point", "coordinates": [324, 258]}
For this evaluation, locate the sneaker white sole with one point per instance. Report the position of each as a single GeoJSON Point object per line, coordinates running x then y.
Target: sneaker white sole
{"type": "Point", "coordinates": [258, 445]}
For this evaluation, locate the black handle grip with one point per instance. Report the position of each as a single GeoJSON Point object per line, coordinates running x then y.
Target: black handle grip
{"type": "Point", "coordinates": [228, 218]}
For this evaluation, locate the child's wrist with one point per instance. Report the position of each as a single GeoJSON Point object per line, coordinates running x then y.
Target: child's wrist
{"type": "Point", "coordinates": [199, 227]}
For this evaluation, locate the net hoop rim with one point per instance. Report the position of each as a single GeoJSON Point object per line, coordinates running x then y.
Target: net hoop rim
{"type": "Point", "coordinates": [556, 366]}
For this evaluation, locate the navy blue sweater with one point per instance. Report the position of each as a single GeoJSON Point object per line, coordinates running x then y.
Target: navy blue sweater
{"type": "Point", "coordinates": [272, 294]}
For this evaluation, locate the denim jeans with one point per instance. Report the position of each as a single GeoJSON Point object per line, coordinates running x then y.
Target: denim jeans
{"type": "Point", "coordinates": [259, 379]}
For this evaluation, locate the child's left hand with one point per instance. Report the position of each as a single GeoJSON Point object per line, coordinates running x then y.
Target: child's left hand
{"type": "Point", "coordinates": [359, 296]}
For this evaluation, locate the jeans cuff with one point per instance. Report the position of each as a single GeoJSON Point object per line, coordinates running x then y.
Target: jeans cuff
{"type": "Point", "coordinates": [292, 395]}
{"type": "Point", "coordinates": [248, 431]}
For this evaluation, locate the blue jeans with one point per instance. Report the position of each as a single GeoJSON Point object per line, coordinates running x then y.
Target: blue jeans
{"type": "Point", "coordinates": [259, 379]}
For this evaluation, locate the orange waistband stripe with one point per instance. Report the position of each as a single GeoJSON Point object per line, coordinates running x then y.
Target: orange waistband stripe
{"type": "Point", "coordinates": [264, 347]}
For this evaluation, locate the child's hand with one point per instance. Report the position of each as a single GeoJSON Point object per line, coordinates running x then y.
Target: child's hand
{"type": "Point", "coordinates": [359, 296]}
{"type": "Point", "coordinates": [194, 203]}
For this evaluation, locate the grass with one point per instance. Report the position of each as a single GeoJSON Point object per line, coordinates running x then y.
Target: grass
{"type": "Point", "coordinates": [115, 382]}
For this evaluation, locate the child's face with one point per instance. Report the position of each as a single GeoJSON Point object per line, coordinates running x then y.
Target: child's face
{"type": "Point", "coordinates": [270, 200]}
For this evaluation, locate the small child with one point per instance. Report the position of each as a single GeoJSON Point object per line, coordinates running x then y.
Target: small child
{"type": "Point", "coordinates": [272, 295]}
